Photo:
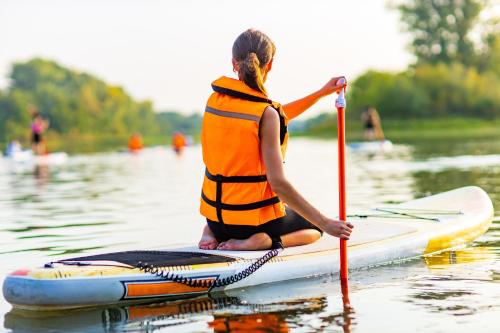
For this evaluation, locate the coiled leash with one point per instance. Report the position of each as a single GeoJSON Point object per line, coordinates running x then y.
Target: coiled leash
{"type": "Point", "coordinates": [210, 284]}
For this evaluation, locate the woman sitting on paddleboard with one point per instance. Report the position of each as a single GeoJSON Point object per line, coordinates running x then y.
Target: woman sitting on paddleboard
{"type": "Point", "coordinates": [244, 138]}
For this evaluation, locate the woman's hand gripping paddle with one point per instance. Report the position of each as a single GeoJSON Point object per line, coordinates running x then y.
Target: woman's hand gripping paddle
{"type": "Point", "coordinates": [340, 104]}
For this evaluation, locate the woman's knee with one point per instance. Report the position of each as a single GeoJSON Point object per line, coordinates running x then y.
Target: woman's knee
{"type": "Point", "coordinates": [301, 237]}
{"type": "Point", "coordinates": [261, 237]}
{"type": "Point", "coordinates": [313, 235]}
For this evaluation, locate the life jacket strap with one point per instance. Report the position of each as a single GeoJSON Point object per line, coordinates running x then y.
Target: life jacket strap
{"type": "Point", "coordinates": [241, 95]}
{"type": "Point", "coordinates": [219, 205]}
{"type": "Point", "coordinates": [240, 207]}
{"type": "Point", "coordinates": [235, 179]}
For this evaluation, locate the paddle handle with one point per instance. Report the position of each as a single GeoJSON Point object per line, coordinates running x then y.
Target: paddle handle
{"type": "Point", "coordinates": [340, 104]}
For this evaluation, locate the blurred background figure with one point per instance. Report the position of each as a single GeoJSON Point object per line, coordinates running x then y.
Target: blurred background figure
{"type": "Point", "coordinates": [12, 148]}
{"type": "Point", "coordinates": [372, 125]}
{"type": "Point", "coordinates": [178, 142]}
{"type": "Point", "coordinates": [38, 127]}
{"type": "Point", "coordinates": [135, 142]}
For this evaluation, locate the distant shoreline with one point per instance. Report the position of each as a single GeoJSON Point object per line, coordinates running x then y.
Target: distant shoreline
{"type": "Point", "coordinates": [398, 131]}
{"type": "Point", "coordinates": [413, 130]}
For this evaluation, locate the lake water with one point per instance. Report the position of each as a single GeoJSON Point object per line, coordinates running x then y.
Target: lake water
{"type": "Point", "coordinates": [119, 201]}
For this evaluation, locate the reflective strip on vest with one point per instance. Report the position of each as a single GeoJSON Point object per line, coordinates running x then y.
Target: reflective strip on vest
{"type": "Point", "coordinates": [230, 114]}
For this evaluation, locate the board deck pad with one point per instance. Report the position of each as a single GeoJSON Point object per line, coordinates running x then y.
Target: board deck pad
{"type": "Point", "coordinates": [156, 258]}
{"type": "Point", "coordinates": [366, 231]}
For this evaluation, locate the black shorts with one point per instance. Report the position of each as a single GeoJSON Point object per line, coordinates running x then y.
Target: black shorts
{"type": "Point", "coordinates": [36, 137]}
{"type": "Point", "coordinates": [281, 226]}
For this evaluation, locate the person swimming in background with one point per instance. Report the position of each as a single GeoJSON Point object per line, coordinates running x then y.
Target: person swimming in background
{"type": "Point", "coordinates": [372, 125]}
{"type": "Point", "coordinates": [244, 138]}
{"type": "Point", "coordinates": [38, 127]}
{"type": "Point", "coordinates": [178, 142]}
{"type": "Point", "coordinates": [135, 142]}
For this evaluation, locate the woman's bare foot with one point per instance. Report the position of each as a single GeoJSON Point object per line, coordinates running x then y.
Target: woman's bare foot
{"type": "Point", "coordinates": [260, 241]}
{"type": "Point", "coordinates": [208, 240]}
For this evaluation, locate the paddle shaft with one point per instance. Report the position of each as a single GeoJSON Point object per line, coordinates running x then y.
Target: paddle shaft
{"type": "Point", "coordinates": [342, 199]}
{"type": "Point", "coordinates": [340, 104]}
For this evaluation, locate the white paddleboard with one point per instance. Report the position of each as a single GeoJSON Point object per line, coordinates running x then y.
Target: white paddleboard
{"type": "Point", "coordinates": [380, 236]}
{"type": "Point", "coordinates": [371, 146]}
{"type": "Point", "coordinates": [27, 156]}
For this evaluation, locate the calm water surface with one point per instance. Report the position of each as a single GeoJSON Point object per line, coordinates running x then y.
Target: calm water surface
{"type": "Point", "coordinates": [120, 201]}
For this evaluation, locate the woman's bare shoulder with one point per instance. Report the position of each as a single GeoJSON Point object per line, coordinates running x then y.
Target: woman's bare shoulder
{"type": "Point", "coordinates": [270, 113]}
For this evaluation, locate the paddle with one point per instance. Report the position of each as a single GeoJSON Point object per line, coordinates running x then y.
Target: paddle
{"type": "Point", "coordinates": [340, 104]}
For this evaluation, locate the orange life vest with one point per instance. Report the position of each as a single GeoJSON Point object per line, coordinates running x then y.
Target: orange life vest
{"type": "Point", "coordinates": [235, 188]}
{"type": "Point", "coordinates": [135, 142]}
{"type": "Point", "coordinates": [178, 141]}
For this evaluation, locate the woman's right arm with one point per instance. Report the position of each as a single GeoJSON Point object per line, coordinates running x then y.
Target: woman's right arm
{"type": "Point", "coordinates": [271, 154]}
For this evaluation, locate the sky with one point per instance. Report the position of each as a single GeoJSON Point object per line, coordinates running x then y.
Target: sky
{"type": "Point", "coordinates": [170, 51]}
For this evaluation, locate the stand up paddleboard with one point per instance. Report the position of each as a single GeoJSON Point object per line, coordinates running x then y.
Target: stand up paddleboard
{"type": "Point", "coordinates": [27, 156]}
{"type": "Point", "coordinates": [383, 235]}
{"type": "Point", "coordinates": [383, 146]}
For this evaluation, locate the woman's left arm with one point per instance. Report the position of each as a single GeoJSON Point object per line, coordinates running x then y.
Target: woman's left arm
{"type": "Point", "coordinates": [296, 108]}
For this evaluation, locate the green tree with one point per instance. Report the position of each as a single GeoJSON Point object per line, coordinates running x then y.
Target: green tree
{"type": "Point", "coordinates": [73, 102]}
{"type": "Point", "coordinates": [80, 104]}
{"type": "Point", "coordinates": [489, 60]}
{"type": "Point", "coordinates": [394, 95]}
{"type": "Point", "coordinates": [440, 29]}
{"type": "Point", "coordinates": [170, 122]}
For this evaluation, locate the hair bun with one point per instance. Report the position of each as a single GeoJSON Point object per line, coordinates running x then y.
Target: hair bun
{"type": "Point", "coordinates": [253, 58]}
{"type": "Point", "coordinates": [253, 50]}
{"type": "Point", "coordinates": [251, 64]}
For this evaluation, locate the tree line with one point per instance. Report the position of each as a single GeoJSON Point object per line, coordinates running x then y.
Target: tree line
{"type": "Point", "coordinates": [452, 75]}
{"type": "Point", "coordinates": [79, 104]}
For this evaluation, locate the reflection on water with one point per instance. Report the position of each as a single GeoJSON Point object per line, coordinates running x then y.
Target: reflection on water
{"type": "Point", "coordinates": [253, 310]}
{"type": "Point", "coordinates": [120, 201]}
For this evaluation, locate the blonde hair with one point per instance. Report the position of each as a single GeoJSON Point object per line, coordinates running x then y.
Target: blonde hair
{"type": "Point", "coordinates": [253, 50]}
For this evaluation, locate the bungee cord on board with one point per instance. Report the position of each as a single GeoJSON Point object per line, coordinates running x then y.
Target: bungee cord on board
{"type": "Point", "coordinates": [208, 282]}
{"type": "Point", "coordinates": [397, 213]}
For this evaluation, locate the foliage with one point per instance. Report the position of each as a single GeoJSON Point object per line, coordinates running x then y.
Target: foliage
{"type": "Point", "coordinates": [440, 29]}
{"type": "Point", "coordinates": [489, 59]}
{"type": "Point", "coordinates": [411, 130]}
{"type": "Point", "coordinates": [428, 91]}
{"type": "Point", "coordinates": [452, 76]}
{"type": "Point", "coordinates": [172, 121]}
{"type": "Point", "coordinates": [78, 105]}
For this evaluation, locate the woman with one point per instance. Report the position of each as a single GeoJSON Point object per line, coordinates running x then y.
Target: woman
{"type": "Point", "coordinates": [38, 126]}
{"type": "Point", "coordinates": [244, 137]}
{"type": "Point", "coordinates": [372, 125]}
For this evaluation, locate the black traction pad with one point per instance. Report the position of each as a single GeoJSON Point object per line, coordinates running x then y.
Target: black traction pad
{"type": "Point", "coordinates": [156, 258]}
